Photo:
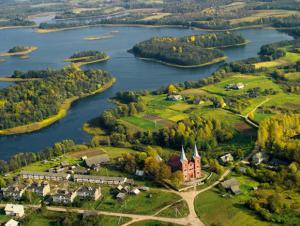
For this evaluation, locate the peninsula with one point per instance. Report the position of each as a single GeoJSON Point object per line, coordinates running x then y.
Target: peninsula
{"type": "Point", "coordinates": [50, 97]}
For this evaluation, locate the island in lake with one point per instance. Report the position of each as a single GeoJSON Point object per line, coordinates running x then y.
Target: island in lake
{"type": "Point", "coordinates": [88, 57]}
{"type": "Point", "coordinates": [100, 37]}
{"type": "Point", "coordinates": [19, 51]}
{"type": "Point", "coordinates": [49, 97]}
{"type": "Point", "coordinates": [189, 51]}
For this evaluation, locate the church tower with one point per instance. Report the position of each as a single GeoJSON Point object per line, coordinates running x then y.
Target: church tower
{"type": "Point", "coordinates": [197, 163]}
{"type": "Point", "coordinates": [184, 165]}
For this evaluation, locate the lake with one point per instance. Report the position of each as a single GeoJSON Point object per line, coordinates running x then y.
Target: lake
{"type": "Point", "coordinates": [131, 73]}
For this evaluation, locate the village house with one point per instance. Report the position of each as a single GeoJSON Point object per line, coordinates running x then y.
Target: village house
{"type": "Point", "coordinates": [135, 191]}
{"type": "Point", "coordinates": [14, 210]}
{"type": "Point", "coordinates": [259, 157]}
{"type": "Point", "coordinates": [99, 179]}
{"type": "Point", "coordinates": [226, 158]}
{"type": "Point", "coordinates": [13, 191]}
{"type": "Point", "coordinates": [96, 161]}
{"type": "Point", "coordinates": [191, 169]}
{"type": "Point", "coordinates": [41, 189]}
{"type": "Point", "coordinates": [121, 196]}
{"type": "Point", "coordinates": [143, 188]}
{"type": "Point", "coordinates": [235, 86]}
{"type": "Point", "coordinates": [45, 176]}
{"type": "Point", "coordinates": [88, 192]}
{"type": "Point", "coordinates": [232, 185]}
{"type": "Point", "coordinates": [64, 196]}
{"type": "Point", "coordinates": [12, 222]}
{"type": "Point", "coordinates": [174, 97]}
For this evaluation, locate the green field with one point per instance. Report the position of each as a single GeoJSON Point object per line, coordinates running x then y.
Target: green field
{"type": "Point", "coordinates": [146, 204]}
{"type": "Point", "coordinates": [177, 210]}
{"type": "Point", "coordinates": [212, 208]}
{"type": "Point", "coordinates": [153, 223]}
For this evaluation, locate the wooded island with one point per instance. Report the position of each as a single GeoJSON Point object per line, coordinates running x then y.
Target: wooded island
{"type": "Point", "coordinates": [188, 51]}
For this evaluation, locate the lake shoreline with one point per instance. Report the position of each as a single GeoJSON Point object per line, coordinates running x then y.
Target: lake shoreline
{"type": "Point", "coordinates": [63, 111]}
{"type": "Point", "coordinates": [215, 61]}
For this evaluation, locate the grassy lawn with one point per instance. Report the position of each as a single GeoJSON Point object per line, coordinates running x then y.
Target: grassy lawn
{"type": "Point", "coordinates": [290, 58]}
{"type": "Point", "coordinates": [147, 205]}
{"type": "Point", "coordinates": [212, 208]}
{"type": "Point", "coordinates": [142, 123]}
{"type": "Point", "coordinates": [177, 210]}
{"type": "Point", "coordinates": [153, 223]}
{"type": "Point", "coordinates": [50, 219]}
{"type": "Point", "coordinates": [4, 218]}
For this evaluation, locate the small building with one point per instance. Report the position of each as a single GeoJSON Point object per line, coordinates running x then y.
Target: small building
{"type": "Point", "coordinates": [174, 97]}
{"type": "Point", "coordinates": [46, 176]}
{"type": "Point", "coordinates": [88, 192]}
{"type": "Point", "coordinates": [99, 179]}
{"type": "Point", "coordinates": [95, 161]}
{"type": "Point", "coordinates": [135, 191]}
{"type": "Point", "coordinates": [64, 196]}
{"type": "Point", "coordinates": [14, 191]}
{"type": "Point", "coordinates": [120, 188]}
{"type": "Point", "coordinates": [139, 173]}
{"type": "Point", "coordinates": [121, 196]}
{"type": "Point", "coordinates": [41, 189]}
{"type": "Point", "coordinates": [226, 158]}
{"type": "Point", "coordinates": [14, 210]}
{"type": "Point", "coordinates": [143, 188]}
{"type": "Point", "coordinates": [231, 185]}
{"type": "Point", "coordinates": [11, 222]}
{"type": "Point", "coordinates": [126, 189]}
{"type": "Point", "coordinates": [259, 157]}
{"type": "Point", "coordinates": [239, 85]}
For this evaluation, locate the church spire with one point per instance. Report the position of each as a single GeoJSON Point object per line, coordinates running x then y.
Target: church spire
{"type": "Point", "coordinates": [195, 152]}
{"type": "Point", "coordinates": [182, 156]}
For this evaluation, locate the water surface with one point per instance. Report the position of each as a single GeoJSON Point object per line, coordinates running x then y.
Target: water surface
{"type": "Point", "coordinates": [131, 73]}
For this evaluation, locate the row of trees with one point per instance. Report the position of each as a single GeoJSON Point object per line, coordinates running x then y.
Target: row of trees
{"type": "Point", "coordinates": [35, 100]}
{"type": "Point", "coordinates": [23, 159]}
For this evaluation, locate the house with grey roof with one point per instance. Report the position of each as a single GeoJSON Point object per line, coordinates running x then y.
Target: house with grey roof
{"type": "Point", "coordinates": [13, 191]}
{"type": "Point", "coordinates": [99, 179]}
{"type": "Point", "coordinates": [96, 161]}
{"type": "Point", "coordinates": [41, 189]}
{"type": "Point", "coordinates": [45, 176]}
{"type": "Point", "coordinates": [64, 196]}
{"type": "Point", "coordinates": [89, 192]}
{"type": "Point", "coordinates": [231, 185]}
{"type": "Point", "coordinates": [226, 158]}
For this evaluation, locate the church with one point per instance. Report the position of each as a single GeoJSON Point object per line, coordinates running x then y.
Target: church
{"type": "Point", "coordinates": [191, 169]}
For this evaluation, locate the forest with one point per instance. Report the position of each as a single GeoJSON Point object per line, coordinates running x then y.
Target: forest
{"type": "Point", "coordinates": [187, 51]}
{"type": "Point", "coordinates": [35, 100]}
{"type": "Point", "coordinates": [279, 135]}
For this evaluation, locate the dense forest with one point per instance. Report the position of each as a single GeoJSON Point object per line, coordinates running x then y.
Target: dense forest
{"type": "Point", "coordinates": [189, 50]}
{"type": "Point", "coordinates": [280, 135]}
{"type": "Point", "coordinates": [36, 100]}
